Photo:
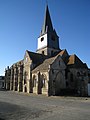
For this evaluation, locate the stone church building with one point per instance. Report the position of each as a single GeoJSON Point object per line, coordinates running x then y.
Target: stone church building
{"type": "Point", "coordinates": [49, 70]}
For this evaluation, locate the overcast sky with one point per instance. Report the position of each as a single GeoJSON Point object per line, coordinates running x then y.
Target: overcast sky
{"type": "Point", "coordinates": [21, 22]}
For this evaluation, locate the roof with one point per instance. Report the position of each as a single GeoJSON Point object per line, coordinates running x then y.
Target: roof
{"type": "Point", "coordinates": [64, 54]}
{"type": "Point", "coordinates": [47, 22]}
{"type": "Point", "coordinates": [45, 64]}
{"type": "Point", "coordinates": [71, 60]}
{"type": "Point", "coordinates": [36, 57]}
{"type": "Point", "coordinates": [74, 61]}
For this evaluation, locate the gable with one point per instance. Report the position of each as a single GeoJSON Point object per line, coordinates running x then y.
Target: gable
{"type": "Point", "coordinates": [64, 53]}
{"type": "Point", "coordinates": [58, 63]}
{"type": "Point", "coordinates": [36, 57]}
{"type": "Point", "coordinates": [27, 58]}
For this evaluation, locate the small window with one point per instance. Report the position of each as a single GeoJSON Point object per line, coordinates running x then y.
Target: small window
{"type": "Point", "coordinates": [52, 53]}
{"type": "Point", "coordinates": [43, 52]}
{"type": "Point", "coordinates": [78, 74]}
{"type": "Point", "coordinates": [42, 39]}
{"type": "Point", "coordinates": [52, 71]}
{"type": "Point", "coordinates": [59, 62]}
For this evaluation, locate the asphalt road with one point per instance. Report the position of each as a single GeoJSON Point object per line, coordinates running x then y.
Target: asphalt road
{"type": "Point", "coordinates": [21, 106]}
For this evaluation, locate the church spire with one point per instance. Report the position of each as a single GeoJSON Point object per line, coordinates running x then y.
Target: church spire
{"type": "Point", "coordinates": [48, 41]}
{"type": "Point", "coordinates": [47, 25]}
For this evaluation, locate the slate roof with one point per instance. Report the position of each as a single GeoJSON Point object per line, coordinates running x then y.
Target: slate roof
{"type": "Point", "coordinates": [36, 57]}
{"type": "Point", "coordinates": [45, 64]}
{"type": "Point", "coordinates": [47, 22]}
{"type": "Point", "coordinates": [62, 52]}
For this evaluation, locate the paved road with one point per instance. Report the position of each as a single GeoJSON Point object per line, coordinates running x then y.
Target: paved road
{"type": "Point", "coordinates": [21, 106]}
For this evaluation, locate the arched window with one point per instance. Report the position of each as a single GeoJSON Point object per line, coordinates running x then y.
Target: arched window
{"type": "Point", "coordinates": [43, 52]}
{"type": "Point", "coordinates": [25, 89]}
{"type": "Point", "coordinates": [25, 77]}
{"type": "Point", "coordinates": [43, 82]}
{"type": "Point", "coordinates": [52, 53]}
{"type": "Point", "coordinates": [78, 74]}
{"type": "Point", "coordinates": [34, 81]}
{"type": "Point", "coordinates": [59, 62]}
{"type": "Point", "coordinates": [71, 77]}
{"type": "Point", "coordinates": [34, 85]}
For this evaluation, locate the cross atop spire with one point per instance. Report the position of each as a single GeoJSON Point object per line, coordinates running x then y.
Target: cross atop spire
{"type": "Point", "coordinates": [47, 25]}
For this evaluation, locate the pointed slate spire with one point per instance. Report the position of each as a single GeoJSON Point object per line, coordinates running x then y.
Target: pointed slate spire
{"type": "Point", "coordinates": [47, 26]}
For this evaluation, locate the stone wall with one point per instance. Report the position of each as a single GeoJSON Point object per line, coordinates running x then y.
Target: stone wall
{"type": "Point", "coordinates": [57, 76]}
{"type": "Point", "coordinates": [40, 82]}
{"type": "Point", "coordinates": [77, 79]}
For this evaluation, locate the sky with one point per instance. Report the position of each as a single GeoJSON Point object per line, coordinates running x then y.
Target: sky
{"type": "Point", "coordinates": [21, 22]}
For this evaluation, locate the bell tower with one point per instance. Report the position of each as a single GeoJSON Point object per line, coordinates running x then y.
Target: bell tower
{"type": "Point", "coordinates": [48, 41]}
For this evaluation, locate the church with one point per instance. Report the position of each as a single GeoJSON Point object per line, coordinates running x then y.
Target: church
{"type": "Point", "coordinates": [50, 70]}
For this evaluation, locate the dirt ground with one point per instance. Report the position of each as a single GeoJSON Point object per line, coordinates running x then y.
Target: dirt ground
{"type": "Point", "coordinates": [21, 106]}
